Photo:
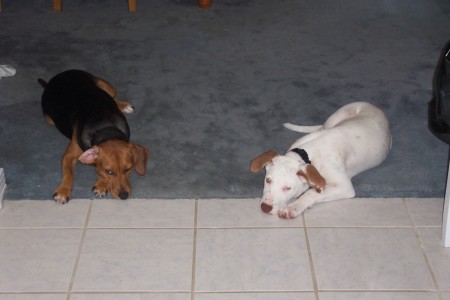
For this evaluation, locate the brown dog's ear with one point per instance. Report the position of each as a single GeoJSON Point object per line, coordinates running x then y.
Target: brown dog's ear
{"type": "Point", "coordinates": [140, 157]}
{"type": "Point", "coordinates": [313, 177]}
{"type": "Point", "coordinates": [89, 156]}
{"type": "Point", "coordinates": [262, 160]}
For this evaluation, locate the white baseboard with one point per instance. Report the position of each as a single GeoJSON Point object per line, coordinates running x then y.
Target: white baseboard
{"type": "Point", "coordinates": [2, 186]}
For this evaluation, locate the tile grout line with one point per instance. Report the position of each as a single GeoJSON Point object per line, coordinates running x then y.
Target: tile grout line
{"type": "Point", "coordinates": [422, 249]}
{"type": "Point", "coordinates": [194, 250]}
{"type": "Point", "coordinates": [311, 262]}
{"type": "Point", "coordinates": [80, 247]}
{"type": "Point", "coordinates": [379, 291]}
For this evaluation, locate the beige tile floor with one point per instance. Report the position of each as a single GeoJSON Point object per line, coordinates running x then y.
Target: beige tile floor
{"type": "Point", "coordinates": [222, 249]}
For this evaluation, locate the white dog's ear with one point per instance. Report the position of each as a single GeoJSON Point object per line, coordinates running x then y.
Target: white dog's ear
{"type": "Point", "coordinates": [315, 180]}
{"type": "Point", "coordinates": [262, 160]}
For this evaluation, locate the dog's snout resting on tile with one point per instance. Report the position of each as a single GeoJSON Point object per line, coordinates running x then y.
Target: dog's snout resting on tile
{"type": "Point", "coordinates": [83, 108]}
{"type": "Point", "coordinates": [319, 166]}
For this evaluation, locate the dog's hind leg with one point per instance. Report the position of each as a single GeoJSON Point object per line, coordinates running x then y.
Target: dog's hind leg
{"type": "Point", "coordinates": [111, 90]}
{"type": "Point", "coordinates": [346, 112]}
{"type": "Point", "coordinates": [125, 106]}
{"type": "Point", "coordinates": [105, 85]}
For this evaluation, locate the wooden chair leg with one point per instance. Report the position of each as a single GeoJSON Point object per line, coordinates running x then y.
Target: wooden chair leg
{"type": "Point", "coordinates": [204, 3]}
{"type": "Point", "coordinates": [0, 5]}
{"type": "Point", "coordinates": [131, 5]}
{"type": "Point", "coordinates": [57, 5]}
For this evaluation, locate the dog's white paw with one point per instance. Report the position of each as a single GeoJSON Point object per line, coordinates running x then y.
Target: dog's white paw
{"type": "Point", "coordinates": [128, 108]}
{"type": "Point", "coordinates": [288, 213]}
{"type": "Point", "coordinates": [99, 191]}
{"type": "Point", "coordinates": [125, 107]}
{"type": "Point", "coordinates": [62, 194]}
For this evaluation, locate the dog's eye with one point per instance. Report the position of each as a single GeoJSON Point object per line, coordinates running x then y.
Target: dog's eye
{"type": "Point", "coordinates": [268, 180]}
{"type": "Point", "coordinates": [126, 171]}
{"type": "Point", "coordinates": [286, 188]}
{"type": "Point", "coordinates": [109, 172]}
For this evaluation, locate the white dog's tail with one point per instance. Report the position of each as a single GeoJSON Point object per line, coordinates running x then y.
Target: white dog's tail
{"type": "Point", "coordinates": [303, 129]}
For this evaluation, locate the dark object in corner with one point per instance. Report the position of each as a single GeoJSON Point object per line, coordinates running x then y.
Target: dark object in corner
{"type": "Point", "coordinates": [439, 124]}
{"type": "Point", "coordinates": [439, 106]}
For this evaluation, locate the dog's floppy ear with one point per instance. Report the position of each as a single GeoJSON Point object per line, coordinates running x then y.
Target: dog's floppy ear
{"type": "Point", "coordinates": [140, 157]}
{"type": "Point", "coordinates": [262, 160]}
{"type": "Point", "coordinates": [313, 177]}
{"type": "Point", "coordinates": [89, 156]}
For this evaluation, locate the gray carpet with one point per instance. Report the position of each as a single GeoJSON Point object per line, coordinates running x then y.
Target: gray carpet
{"type": "Point", "coordinates": [212, 87]}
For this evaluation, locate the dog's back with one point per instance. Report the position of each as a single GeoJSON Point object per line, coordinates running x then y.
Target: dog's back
{"type": "Point", "coordinates": [359, 131]}
{"type": "Point", "coordinates": [72, 98]}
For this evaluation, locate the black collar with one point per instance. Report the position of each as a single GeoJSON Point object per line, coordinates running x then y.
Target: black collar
{"type": "Point", "coordinates": [302, 153]}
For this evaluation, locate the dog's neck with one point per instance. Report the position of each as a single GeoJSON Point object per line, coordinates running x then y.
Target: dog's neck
{"type": "Point", "coordinates": [302, 153]}
{"type": "Point", "coordinates": [106, 134]}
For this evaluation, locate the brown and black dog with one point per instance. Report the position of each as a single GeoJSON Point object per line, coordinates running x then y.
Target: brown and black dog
{"type": "Point", "coordinates": [83, 108]}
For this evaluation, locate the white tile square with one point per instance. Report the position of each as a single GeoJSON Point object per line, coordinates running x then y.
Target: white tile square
{"type": "Point", "coordinates": [134, 296]}
{"type": "Point", "coordinates": [37, 260]}
{"type": "Point", "coordinates": [368, 258]}
{"type": "Point", "coordinates": [44, 214]}
{"type": "Point", "coordinates": [371, 295]}
{"type": "Point", "coordinates": [358, 212]}
{"type": "Point", "coordinates": [438, 255]}
{"type": "Point", "coordinates": [426, 211]}
{"type": "Point", "coordinates": [232, 213]}
{"type": "Point", "coordinates": [135, 260]}
{"type": "Point", "coordinates": [256, 296]}
{"type": "Point", "coordinates": [142, 213]}
{"type": "Point", "coordinates": [33, 296]}
{"type": "Point", "coordinates": [445, 296]}
{"type": "Point", "coordinates": [252, 260]}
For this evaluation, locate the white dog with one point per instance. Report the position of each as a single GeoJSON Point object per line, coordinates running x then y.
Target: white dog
{"type": "Point", "coordinates": [319, 166]}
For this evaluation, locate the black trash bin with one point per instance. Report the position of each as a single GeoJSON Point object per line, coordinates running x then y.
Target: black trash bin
{"type": "Point", "coordinates": [439, 124]}
{"type": "Point", "coordinates": [439, 106]}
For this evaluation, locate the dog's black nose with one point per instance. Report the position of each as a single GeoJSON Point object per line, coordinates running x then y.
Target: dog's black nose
{"type": "Point", "coordinates": [123, 195]}
{"type": "Point", "coordinates": [267, 208]}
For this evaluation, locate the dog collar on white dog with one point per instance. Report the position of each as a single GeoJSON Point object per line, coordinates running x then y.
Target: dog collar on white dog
{"type": "Point", "coordinates": [302, 153]}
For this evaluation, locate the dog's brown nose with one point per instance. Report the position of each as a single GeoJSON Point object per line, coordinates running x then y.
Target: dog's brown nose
{"type": "Point", "coordinates": [267, 208]}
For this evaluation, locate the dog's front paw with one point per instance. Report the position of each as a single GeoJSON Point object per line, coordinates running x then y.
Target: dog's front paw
{"type": "Point", "coordinates": [62, 195]}
{"type": "Point", "coordinates": [288, 213]}
{"type": "Point", "coordinates": [100, 189]}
